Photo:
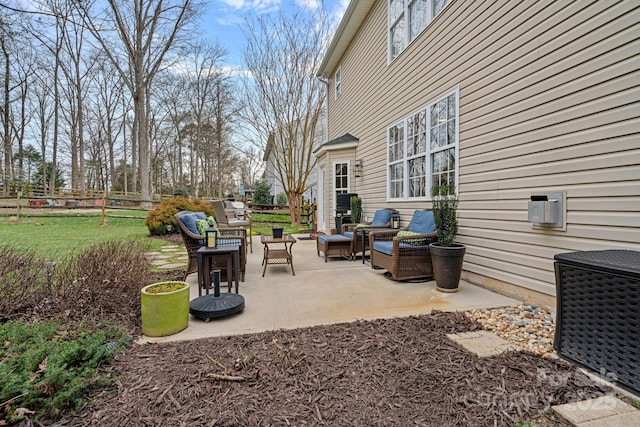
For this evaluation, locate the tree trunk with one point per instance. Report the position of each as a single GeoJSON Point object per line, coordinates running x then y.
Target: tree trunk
{"type": "Point", "coordinates": [5, 121]}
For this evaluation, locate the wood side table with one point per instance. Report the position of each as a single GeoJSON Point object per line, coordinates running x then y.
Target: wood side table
{"type": "Point", "coordinates": [205, 261]}
{"type": "Point", "coordinates": [279, 255]}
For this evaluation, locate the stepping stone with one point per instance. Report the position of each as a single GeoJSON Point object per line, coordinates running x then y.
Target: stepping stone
{"type": "Point", "coordinates": [604, 411]}
{"type": "Point", "coordinates": [158, 262]}
{"type": "Point", "coordinates": [171, 266]}
{"type": "Point", "coordinates": [482, 343]}
{"type": "Point", "coordinates": [183, 258]}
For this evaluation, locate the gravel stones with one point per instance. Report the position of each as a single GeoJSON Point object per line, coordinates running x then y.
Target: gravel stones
{"type": "Point", "coordinates": [526, 325]}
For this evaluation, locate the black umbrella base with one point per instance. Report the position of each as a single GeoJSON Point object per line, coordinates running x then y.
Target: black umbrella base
{"type": "Point", "coordinates": [212, 307]}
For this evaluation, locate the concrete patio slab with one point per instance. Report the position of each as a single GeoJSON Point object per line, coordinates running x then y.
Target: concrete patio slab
{"type": "Point", "coordinates": [324, 293]}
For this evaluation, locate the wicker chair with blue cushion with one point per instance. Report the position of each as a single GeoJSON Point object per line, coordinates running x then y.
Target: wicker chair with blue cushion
{"type": "Point", "coordinates": [193, 240]}
{"type": "Point", "coordinates": [381, 219]}
{"type": "Point", "coordinates": [405, 253]}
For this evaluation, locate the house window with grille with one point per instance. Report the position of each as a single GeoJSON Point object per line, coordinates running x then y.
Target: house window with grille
{"type": "Point", "coordinates": [406, 19]}
{"type": "Point", "coordinates": [422, 150]}
{"type": "Point", "coordinates": [341, 178]}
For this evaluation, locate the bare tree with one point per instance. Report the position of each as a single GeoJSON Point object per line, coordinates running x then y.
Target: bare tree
{"type": "Point", "coordinates": [42, 105]}
{"type": "Point", "coordinates": [24, 73]}
{"type": "Point", "coordinates": [9, 33]}
{"type": "Point", "coordinates": [170, 93]}
{"type": "Point", "coordinates": [204, 84]}
{"type": "Point", "coordinates": [53, 43]}
{"type": "Point", "coordinates": [283, 97]}
{"type": "Point", "coordinates": [144, 32]}
{"type": "Point", "coordinates": [108, 114]}
{"type": "Point", "coordinates": [77, 69]}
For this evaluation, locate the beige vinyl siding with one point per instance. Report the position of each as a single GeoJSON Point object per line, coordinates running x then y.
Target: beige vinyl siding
{"type": "Point", "coordinates": [549, 102]}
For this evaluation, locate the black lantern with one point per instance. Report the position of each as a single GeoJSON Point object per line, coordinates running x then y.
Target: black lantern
{"type": "Point", "coordinates": [357, 168]}
{"type": "Point", "coordinates": [395, 221]}
{"type": "Point", "coordinates": [211, 237]}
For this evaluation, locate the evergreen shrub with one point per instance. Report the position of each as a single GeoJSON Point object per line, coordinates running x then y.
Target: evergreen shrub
{"type": "Point", "coordinates": [160, 221]}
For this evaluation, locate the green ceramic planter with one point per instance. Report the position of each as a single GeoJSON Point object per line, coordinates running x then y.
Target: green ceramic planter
{"type": "Point", "coordinates": [164, 313]}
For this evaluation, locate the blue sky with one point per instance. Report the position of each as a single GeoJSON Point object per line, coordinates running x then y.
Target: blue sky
{"type": "Point", "coordinates": [224, 17]}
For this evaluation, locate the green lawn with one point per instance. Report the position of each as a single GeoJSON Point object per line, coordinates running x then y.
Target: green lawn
{"type": "Point", "coordinates": [56, 237]}
{"type": "Point", "coordinates": [56, 234]}
{"type": "Point", "coordinates": [262, 223]}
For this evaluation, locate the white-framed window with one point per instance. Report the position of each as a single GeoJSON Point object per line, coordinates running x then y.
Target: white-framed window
{"type": "Point", "coordinates": [340, 178]}
{"type": "Point", "coordinates": [422, 149]}
{"type": "Point", "coordinates": [407, 19]}
{"type": "Point", "coordinates": [338, 82]}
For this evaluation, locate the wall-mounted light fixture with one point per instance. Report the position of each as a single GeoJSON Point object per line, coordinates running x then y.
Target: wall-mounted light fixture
{"type": "Point", "coordinates": [357, 168]}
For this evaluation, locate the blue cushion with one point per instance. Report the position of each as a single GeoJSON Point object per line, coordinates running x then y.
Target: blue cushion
{"type": "Point", "coordinates": [324, 237]}
{"type": "Point", "coordinates": [200, 215]}
{"type": "Point", "coordinates": [228, 241]}
{"type": "Point", "coordinates": [386, 247]}
{"type": "Point", "coordinates": [348, 234]}
{"type": "Point", "coordinates": [189, 220]}
{"type": "Point", "coordinates": [422, 222]}
{"type": "Point", "coordinates": [381, 218]}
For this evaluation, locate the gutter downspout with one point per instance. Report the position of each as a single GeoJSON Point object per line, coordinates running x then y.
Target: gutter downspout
{"type": "Point", "coordinates": [325, 80]}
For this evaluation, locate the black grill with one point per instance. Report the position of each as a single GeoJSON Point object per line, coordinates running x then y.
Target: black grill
{"type": "Point", "coordinates": [343, 202]}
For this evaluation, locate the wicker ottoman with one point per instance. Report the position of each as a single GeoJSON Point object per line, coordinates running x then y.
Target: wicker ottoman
{"type": "Point", "coordinates": [334, 245]}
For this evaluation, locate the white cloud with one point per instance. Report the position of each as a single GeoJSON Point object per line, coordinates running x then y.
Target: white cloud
{"type": "Point", "coordinates": [235, 4]}
{"type": "Point", "coordinates": [264, 6]}
{"type": "Point", "coordinates": [308, 4]}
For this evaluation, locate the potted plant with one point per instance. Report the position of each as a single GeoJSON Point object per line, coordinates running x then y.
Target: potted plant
{"type": "Point", "coordinates": [164, 308]}
{"type": "Point", "coordinates": [446, 255]}
{"type": "Point", "coordinates": [277, 232]}
{"type": "Point", "coordinates": [356, 209]}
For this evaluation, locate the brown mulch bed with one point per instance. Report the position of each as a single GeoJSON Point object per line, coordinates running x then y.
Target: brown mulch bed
{"type": "Point", "coordinates": [387, 372]}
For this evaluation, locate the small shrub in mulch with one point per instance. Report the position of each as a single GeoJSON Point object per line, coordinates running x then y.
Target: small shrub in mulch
{"type": "Point", "coordinates": [59, 323]}
{"type": "Point", "coordinates": [102, 282]}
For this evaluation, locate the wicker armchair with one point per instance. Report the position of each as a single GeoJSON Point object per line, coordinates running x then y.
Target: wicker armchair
{"type": "Point", "coordinates": [193, 242]}
{"type": "Point", "coordinates": [405, 257]}
{"type": "Point", "coordinates": [223, 218]}
{"type": "Point", "coordinates": [381, 219]}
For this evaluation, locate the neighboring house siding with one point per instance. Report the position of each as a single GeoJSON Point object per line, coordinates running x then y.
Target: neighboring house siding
{"type": "Point", "coordinates": [272, 176]}
{"type": "Point", "coordinates": [549, 102]}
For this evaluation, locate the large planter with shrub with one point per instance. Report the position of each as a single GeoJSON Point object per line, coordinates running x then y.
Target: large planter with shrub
{"type": "Point", "coordinates": [164, 308]}
{"type": "Point", "coordinates": [447, 265]}
{"type": "Point", "coordinates": [446, 255]}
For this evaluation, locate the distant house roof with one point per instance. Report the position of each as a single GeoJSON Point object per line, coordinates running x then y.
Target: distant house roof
{"type": "Point", "coordinates": [353, 17]}
{"type": "Point", "coordinates": [345, 141]}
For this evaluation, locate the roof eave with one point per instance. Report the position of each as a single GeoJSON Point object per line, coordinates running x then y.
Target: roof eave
{"type": "Point", "coordinates": [353, 18]}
